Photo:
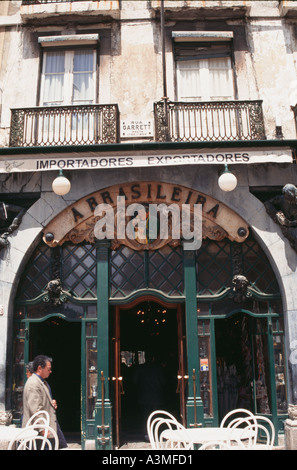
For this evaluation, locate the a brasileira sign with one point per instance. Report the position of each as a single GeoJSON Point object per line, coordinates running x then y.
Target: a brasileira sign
{"type": "Point", "coordinates": [80, 221]}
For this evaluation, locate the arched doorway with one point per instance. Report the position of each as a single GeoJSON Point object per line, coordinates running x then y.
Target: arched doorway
{"type": "Point", "coordinates": [97, 280]}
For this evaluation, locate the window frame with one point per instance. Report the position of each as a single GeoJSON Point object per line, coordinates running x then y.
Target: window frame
{"type": "Point", "coordinates": [189, 51]}
{"type": "Point", "coordinates": [69, 53]}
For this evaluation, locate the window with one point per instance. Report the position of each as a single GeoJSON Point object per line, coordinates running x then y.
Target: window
{"type": "Point", "coordinates": [69, 77]}
{"type": "Point", "coordinates": [68, 80]}
{"type": "Point", "coordinates": [204, 72]}
{"type": "Point", "coordinates": [205, 79]}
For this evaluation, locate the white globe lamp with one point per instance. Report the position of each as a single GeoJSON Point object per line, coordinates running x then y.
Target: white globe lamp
{"type": "Point", "coordinates": [227, 181]}
{"type": "Point", "coordinates": [61, 185]}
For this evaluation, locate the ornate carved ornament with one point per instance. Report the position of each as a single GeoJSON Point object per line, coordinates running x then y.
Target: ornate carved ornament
{"type": "Point", "coordinates": [77, 222]}
{"type": "Point", "coordinates": [283, 211]}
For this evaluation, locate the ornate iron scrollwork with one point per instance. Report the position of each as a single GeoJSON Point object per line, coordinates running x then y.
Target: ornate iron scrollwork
{"type": "Point", "coordinates": [5, 211]}
{"type": "Point", "coordinates": [55, 294]}
{"type": "Point", "coordinates": [283, 211]}
{"type": "Point", "coordinates": [240, 291]}
{"type": "Point", "coordinates": [64, 125]}
{"type": "Point", "coordinates": [208, 121]}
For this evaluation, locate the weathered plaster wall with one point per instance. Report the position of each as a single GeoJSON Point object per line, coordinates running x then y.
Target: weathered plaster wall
{"type": "Point", "coordinates": [130, 71]}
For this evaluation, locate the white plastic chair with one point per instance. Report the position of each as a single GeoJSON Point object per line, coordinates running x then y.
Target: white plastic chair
{"type": "Point", "coordinates": [158, 439]}
{"type": "Point", "coordinates": [151, 421]}
{"type": "Point", "coordinates": [245, 419]}
{"type": "Point", "coordinates": [234, 415]}
{"type": "Point", "coordinates": [266, 427]}
{"type": "Point", "coordinates": [247, 439]}
{"type": "Point", "coordinates": [24, 440]}
{"type": "Point", "coordinates": [40, 417]}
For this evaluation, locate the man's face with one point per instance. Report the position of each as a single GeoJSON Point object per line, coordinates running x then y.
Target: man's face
{"type": "Point", "coordinates": [46, 371]}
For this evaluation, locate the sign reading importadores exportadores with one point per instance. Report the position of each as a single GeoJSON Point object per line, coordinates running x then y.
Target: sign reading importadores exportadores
{"type": "Point", "coordinates": [93, 160]}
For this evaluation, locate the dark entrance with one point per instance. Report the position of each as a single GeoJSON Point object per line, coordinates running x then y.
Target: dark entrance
{"type": "Point", "coordinates": [61, 340]}
{"type": "Point", "coordinates": [234, 363]}
{"type": "Point", "coordinates": [144, 334]}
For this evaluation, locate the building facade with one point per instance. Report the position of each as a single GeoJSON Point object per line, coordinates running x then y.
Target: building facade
{"type": "Point", "coordinates": [146, 105]}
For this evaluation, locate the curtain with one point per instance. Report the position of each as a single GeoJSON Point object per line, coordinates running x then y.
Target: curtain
{"type": "Point", "coordinates": [205, 79]}
{"type": "Point", "coordinates": [54, 78]}
{"type": "Point", "coordinates": [189, 80]}
{"type": "Point", "coordinates": [83, 77]}
{"type": "Point", "coordinates": [68, 79]}
{"type": "Point", "coordinates": [220, 79]}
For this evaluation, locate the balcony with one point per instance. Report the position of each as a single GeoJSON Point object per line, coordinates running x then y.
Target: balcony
{"type": "Point", "coordinates": [213, 121]}
{"type": "Point", "coordinates": [33, 11]}
{"type": "Point", "coordinates": [36, 2]}
{"type": "Point", "coordinates": [288, 8]}
{"type": "Point", "coordinates": [197, 9]}
{"type": "Point", "coordinates": [64, 125]}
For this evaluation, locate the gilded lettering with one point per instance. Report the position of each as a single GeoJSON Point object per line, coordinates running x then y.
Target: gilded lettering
{"type": "Point", "coordinates": [214, 211]}
{"type": "Point", "coordinates": [92, 203]}
{"type": "Point", "coordinates": [159, 196]}
{"type": "Point", "coordinates": [201, 200]}
{"type": "Point", "coordinates": [122, 193]}
{"type": "Point", "coordinates": [135, 191]}
{"type": "Point", "coordinates": [106, 197]}
{"type": "Point", "coordinates": [76, 215]}
{"type": "Point", "coordinates": [175, 194]}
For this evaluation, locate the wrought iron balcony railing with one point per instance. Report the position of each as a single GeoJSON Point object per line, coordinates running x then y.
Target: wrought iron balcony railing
{"type": "Point", "coordinates": [64, 125]}
{"type": "Point", "coordinates": [208, 121]}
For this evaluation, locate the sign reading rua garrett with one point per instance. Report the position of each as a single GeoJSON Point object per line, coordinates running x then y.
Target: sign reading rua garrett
{"type": "Point", "coordinates": [78, 221]}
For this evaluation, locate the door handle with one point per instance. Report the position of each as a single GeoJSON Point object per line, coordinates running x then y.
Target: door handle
{"type": "Point", "coordinates": [120, 380]}
{"type": "Point", "coordinates": [179, 384]}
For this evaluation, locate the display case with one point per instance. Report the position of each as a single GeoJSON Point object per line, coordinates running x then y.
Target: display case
{"type": "Point", "coordinates": [91, 369]}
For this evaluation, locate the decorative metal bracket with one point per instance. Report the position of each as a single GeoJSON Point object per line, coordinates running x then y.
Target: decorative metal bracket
{"type": "Point", "coordinates": [5, 211]}
{"type": "Point", "coordinates": [240, 292]}
{"type": "Point", "coordinates": [283, 211]}
{"type": "Point", "coordinates": [55, 293]}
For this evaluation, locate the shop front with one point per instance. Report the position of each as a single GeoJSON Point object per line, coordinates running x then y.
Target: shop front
{"type": "Point", "coordinates": [211, 317]}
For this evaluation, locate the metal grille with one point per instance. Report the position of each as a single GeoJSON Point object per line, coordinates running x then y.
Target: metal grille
{"type": "Point", "coordinates": [214, 269]}
{"type": "Point", "coordinates": [217, 264]}
{"type": "Point", "coordinates": [166, 270]}
{"type": "Point", "coordinates": [64, 125]}
{"type": "Point", "coordinates": [209, 121]}
{"type": "Point", "coordinates": [127, 272]}
{"type": "Point", "coordinates": [37, 274]}
{"type": "Point", "coordinates": [79, 269]}
{"type": "Point", "coordinates": [132, 270]}
{"type": "Point", "coordinates": [257, 268]}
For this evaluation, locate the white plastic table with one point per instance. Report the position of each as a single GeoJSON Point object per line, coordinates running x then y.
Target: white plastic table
{"type": "Point", "coordinates": [204, 435]}
{"type": "Point", "coordinates": [7, 433]}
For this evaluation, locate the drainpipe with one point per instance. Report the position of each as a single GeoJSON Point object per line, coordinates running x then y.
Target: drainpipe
{"type": "Point", "coordinates": [163, 51]}
{"type": "Point", "coordinates": [165, 97]}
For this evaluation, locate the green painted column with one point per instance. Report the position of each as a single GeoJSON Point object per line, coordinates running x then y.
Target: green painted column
{"type": "Point", "coordinates": [194, 402]}
{"type": "Point", "coordinates": [103, 421]}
